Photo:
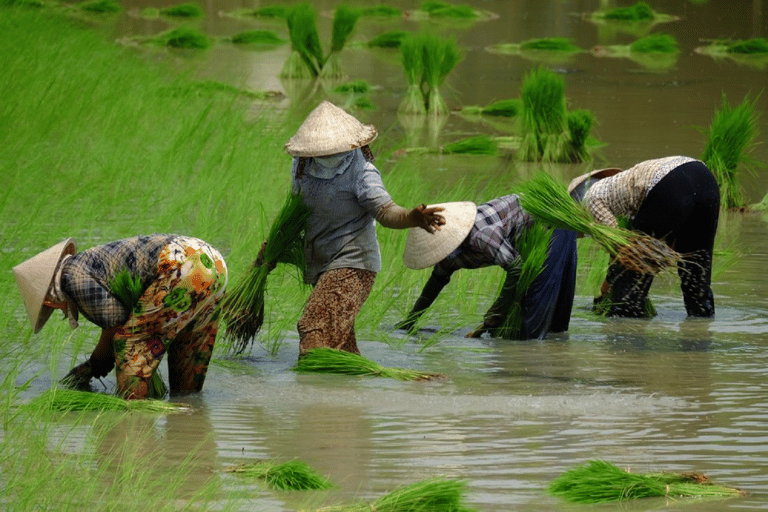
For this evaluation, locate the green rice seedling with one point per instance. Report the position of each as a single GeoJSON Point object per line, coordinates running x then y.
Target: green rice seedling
{"type": "Point", "coordinates": [381, 11]}
{"type": "Point", "coordinates": [188, 10]}
{"type": "Point", "coordinates": [293, 475]}
{"type": "Point", "coordinates": [640, 11]}
{"type": "Point", "coordinates": [550, 44]}
{"type": "Point", "coordinates": [306, 59]}
{"type": "Point", "coordinates": [390, 39]}
{"type": "Point", "coordinates": [184, 37]}
{"type": "Point", "coordinates": [354, 87]}
{"type": "Point", "coordinates": [127, 289]}
{"type": "Point", "coordinates": [257, 37]}
{"type": "Point", "coordinates": [440, 56]}
{"type": "Point", "coordinates": [412, 58]}
{"type": "Point", "coordinates": [68, 400]}
{"type": "Point", "coordinates": [430, 495]}
{"type": "Point", "coordinates": [730, 136]}
{"type": "Point", "coordinates": [580, 122]}
{"type": "Point", "coordinates": [655, 43]}
{"type": "Point", "coordinates": [477, 145]}
{"type": "Point", "coordinates": [756, 45]}
{"type": "Point", "coordinates": [344, 20]}
{"type": "Point", "coordinates": [533, 246]}
{"type": "Point", "coordinates": [598, 481]}
{"type": "Point", "coordinates": [271, 11]}
{"type": "Point", "coordinates": [439, 9]}
{"type": "Point", "coordinates": [331, 360]}
{"type": "Point", "coordinates": [503, 108]}
{"type": "Point", "coordinates": [543, 119]}
{"type": "Point", "coordinates": [243, 307]}
{"type": "Point", "coordinates": [548, 200]}
{"type": "Point", "coordinates": [100, 6]}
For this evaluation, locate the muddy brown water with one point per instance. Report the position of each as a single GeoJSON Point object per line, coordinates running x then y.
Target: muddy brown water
{"type": "Point", "coordinates": [667, 394]}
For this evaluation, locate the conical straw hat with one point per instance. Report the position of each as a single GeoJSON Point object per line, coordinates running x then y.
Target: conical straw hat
{"type": "Point", "coordinates": [328, 130]}
{"type": "Point", "coordinates": [34, 278]}
{"type": "Point", "coordinates": [423, 249]}
{"type": "Point", "coordinates": [579, 185]}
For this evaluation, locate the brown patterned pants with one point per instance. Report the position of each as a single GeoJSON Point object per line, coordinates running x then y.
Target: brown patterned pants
{"type": "Point", "coordinates": [329, 315]}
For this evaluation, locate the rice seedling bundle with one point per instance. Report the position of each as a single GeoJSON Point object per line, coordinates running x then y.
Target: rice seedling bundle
{"type": "Point", "coordinates": [640, 11]}
{"type": "Point", "coordinates": [503, 108]}
{"type": "Point", "coordinates": [598, 481]}
{"type": "Point", "coordinates": [100, 6]}
{"type": "Point", "coordinates": [306, 58]}
{"type": "Point", "coordinates": [354, 87]}
{"type": "Point", "coordinates": [411, 54]}
{"type": "Point", "coordinates": [188, 10]}
{"type": "Point", "coordinates": [381, 11]}
{"type": "Point", "coordinates": [69, 400]}
{"type": "Point", "coordinates": [731, 133]}
{"type": "Point", "coordinates": [477, 145]}
{"type": "Point", "coordinates": [548, 200]}
{"type": "Point", "coordinates": [580, 122]}
{"type": "Point", "coordinates": [543, 119]}
{"type": "Point", "coordinates": [331, 360]}
{"type": "Point", "coordinates": [439, 9]}
{"type": "Point", "coordinates": [550, 44]}
{"type": "Point", "coordinates": [344, 20]}
{"type": "Point", "coordinates": [243, 307]}
{"type": "Point", "coordinates": [127, 288]}
{"type": "Point", "coordinates": [655, 43]}
{"type": "Point", "coordinates": [293, 475]}
{"type": "Point", "coordinates": [265, 37]}
{"type": "Point", "coordinates": [185, 37]}
{"type": "Point", "coordinates": [390, 39]}
{"type": "Point", "coordinates": [754, 46]}
{"type": "Point", "coordinates": [440, 57]}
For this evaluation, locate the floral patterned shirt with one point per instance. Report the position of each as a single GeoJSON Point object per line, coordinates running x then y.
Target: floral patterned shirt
{"type": "Point", "coordinates": [622, 194]}
{"type": "Point", "coordinates": [86, 276]}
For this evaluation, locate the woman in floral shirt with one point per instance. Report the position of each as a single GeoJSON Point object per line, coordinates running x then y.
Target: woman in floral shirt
{"type": "Point", "coordinates": [151, 295]}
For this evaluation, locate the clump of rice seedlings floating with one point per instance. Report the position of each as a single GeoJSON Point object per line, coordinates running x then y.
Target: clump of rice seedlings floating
{"type": "Point", "coordinates": [257, 38]}
{"type": "Point", "coordinates": [344, 20]}
{"type": "Point", "coordinates": [331, 360]}
{"type": "Point", "coordinates": [477, 145]}
{"type": "Point", "coordinates": [730, 137]}
{"type": "Point", "coordinates": [580, 122]}
{"type": "Point", "coordinates": [427, 60]}
{"type": "Point", "coordinates": [390, 39]}
{"type": "Point", "coordinates": [293, 475]}
{"type": "Point", "coordinates": [212, 88]}
{"type": "Point", "coordinates": [268, 12]}
{"type": "Point", "coordinates": [306, 58]}
{"type": "Point", "coordinates": [430, 495]}
{"type": "Point", "coordinates": [242, 307]}
{"type": "Point", "coordinates": [381, 11]}
{"type": "Point", "coordinates": [356, 93]}
{"type": "Point", "coordinates": [533, 245]}
{"type": "Point", "coordinates": [752, 52]}
{"type": "Point", "coordinates": [598, 481]}
{"type": "Point", "coordinates": [99, 6]}
{"type": "Point", "coordinates": [654, 51]}
{"type": "Point", "coordinates": [550, 49]}
{"type": "Point", "coordinates": [548, 200]}
{"type": "Point", "coordinates": [70, 400]}
{"type": "Point", "coordinates": [444, 11]}
{"type": "Point", "coordinates": [640, 12]}
{"type": "Point", "coordinates": [188, 10]}
{"type": "Point", "coordinates": [186, 37]}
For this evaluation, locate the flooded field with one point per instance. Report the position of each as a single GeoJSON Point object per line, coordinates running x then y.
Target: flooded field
{"type": "Point", "coordinates": [669, 393]}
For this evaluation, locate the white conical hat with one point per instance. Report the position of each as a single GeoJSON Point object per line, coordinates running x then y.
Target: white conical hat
{"type": "Point", "coordinates": [34, 278]}
{"type": "Point", "coordinates": [424, 249]}
{"type": "Point", "coordinates": [328, 130]}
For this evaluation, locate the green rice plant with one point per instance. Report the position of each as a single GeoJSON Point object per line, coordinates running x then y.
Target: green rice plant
{"type": "Point", "coordinates": [188, 10]}
{"type": "Point", "coordinates": [548, 200]}
{"type": "Point", "coordinates": [640, 11]}
{"type": "Point", "coordinates": [390, 39]}
{"type": "Point", "coordinates": [477, 145]}
{"type": "Point", "coordinates": [381, 11]}
{"type": "Point", "coordinates": [293, 475]}
{"type": "Point", "coordinates": [655, 43]}
{"type": "Point", "coordinates": [533, 246]}
{"type": "Point", "coordinates": [69, 400]}
{"type": "Point", "coordinates": [503, 108]}
{"type": "Point", "coordinates": [439, 9]}
{"type": "Point", "coordinates": [598, 481]}
{"type": "Point", "coordinates": [440, 56]}
{"type": "Point", "coordinates": [100, 6]}
{"type": "Point", "coordinates": [243, 307]}
{"type": "Point", "coordinates": [271, 11]}
{"type": "Point", "coordinates": [257, 37]}
{"type": "Point", "coordinates": [543, 124]}
{"type": "Point", "coordinates": [344, 20]}
{"type": "Point", "coordinates": [550, 44]}
{"type": "Point", "coordinates": [730, 137]}
{"type": "Point", "coordinates": [412, 58]}
{"type": "Point", "coordinates": [184, 37]}
{"type": "Point", "coordinates": [580, 122]}
{"type": "Point", "coordinates": [430, 495]}
{"type": "Point", "coordinates": [354, 87]}
{"type": "Point", "coordinates": [756, 45]}
{"type": "Point", "coordinates": [306, 58]}
{"type": "Point", "coordinates": [127, 289]}
{"type": "Point", "coordinates": [331, 360]}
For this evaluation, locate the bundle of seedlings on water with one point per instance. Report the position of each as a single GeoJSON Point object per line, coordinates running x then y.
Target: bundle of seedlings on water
{"type": "Point", "coordinates": [477, 145]}
{"type": "Point", "coordinates": [354, 87]}
{"type": "Point", "coordinates": [440, 56]}
{"type": "Point", "coordinates": [257, 37]}
{"type": "Point", "coordinates": [306, 58]}
{"type": "Point", "coordinates": [543, 119]}
{"type": "Point", "coordinates": [580, 122]}
{"type": "Point", "coordinates": [69, 400]}
{"type": "Point", "coordinates": [754, 46]}
{"type": "Point", "coordinates": [242, 307]}
{"type": "Point", "coordinates": [550, 44]}
{"type": "Point", "coordinates": [439, 9]}
{"type": "Point", "coordinates": [412, 58]}
{"type": "Point", "coordinates": [533, 246]}
{"type": "Point", "coordinates": [391, 39]}
{"type": "Point", "coordinates": [99, 6]}
{"type": "Point", "coordinates": [381, 11]}
{"type": "Point", "coordinates": [655, 43]}
{"type": "Point", "coordinates": [731, 134]}
{"type": "Point", "coordinates": [184, 37]}
{"type": "Point", "coordinates": [501, 108]}
{"type": "Point", "coordinates": [331, 360]}
{"type": "Point", "coordinates": [640, 11]}
{"type": "Point", "coordinates": [548, 200]}
{"type": "Point", "coordinates": [344, 20]}
{"type": "Point", "coordinates": [598, 481]}
{"type": "Point", "coordinates": [430, 495]}
{"type": "Point", "coordinates": [188, 10]}
{"type": "Point", "coordinates": [293, 475]}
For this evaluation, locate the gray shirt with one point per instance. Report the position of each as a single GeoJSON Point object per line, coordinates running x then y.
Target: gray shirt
{"type": "Point", "coordinates": [341, 232]}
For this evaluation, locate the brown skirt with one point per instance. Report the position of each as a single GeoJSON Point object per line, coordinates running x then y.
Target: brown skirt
{"type": "Point", "coordinates": [329, 315]}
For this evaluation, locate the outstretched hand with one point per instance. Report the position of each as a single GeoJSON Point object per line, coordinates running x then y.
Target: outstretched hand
{"type": "Point", "coordinates": [427, 217]}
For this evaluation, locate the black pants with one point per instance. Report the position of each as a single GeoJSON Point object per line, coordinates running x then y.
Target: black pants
{"type": "Point", "coordinates": [682, 209]}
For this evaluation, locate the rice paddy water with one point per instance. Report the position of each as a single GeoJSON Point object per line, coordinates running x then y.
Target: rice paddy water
{"type": "Point", "coordinates": [100, 141]}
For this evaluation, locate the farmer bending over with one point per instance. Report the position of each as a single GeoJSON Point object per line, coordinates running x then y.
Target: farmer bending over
{"type": "Point", "coordinates": [149, 294]}
{"type": "Point", "coordinates": [675, 199]}
{"type": "Point", "coordinates": [485, 235]}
